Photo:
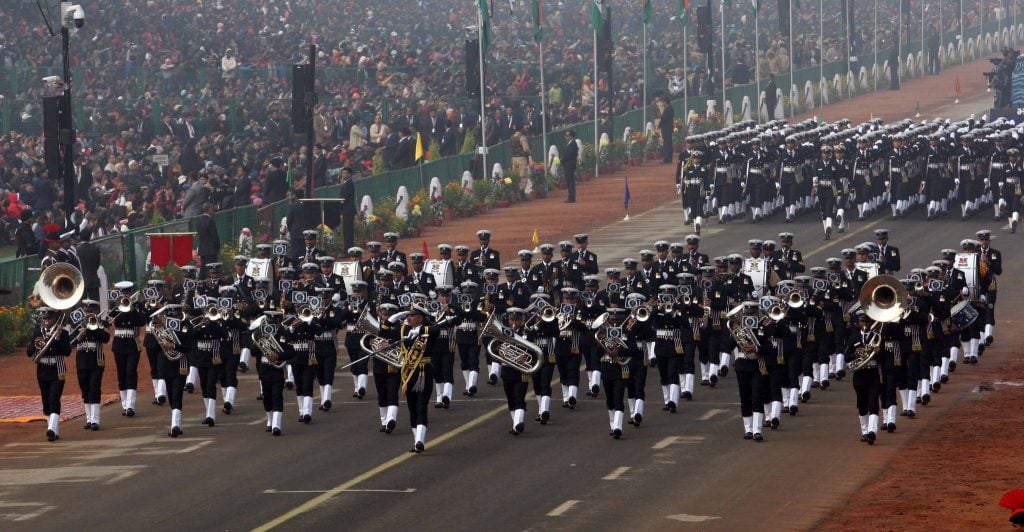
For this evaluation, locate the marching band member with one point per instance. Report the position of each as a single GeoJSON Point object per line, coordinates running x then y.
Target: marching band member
{"type": "Point", "coordinates": [471, 317]}
{"type": "Point", "coordinates": [643, 336]}
{"type": "Point", "coordinates": [777, 350]}
{"type": "Point", "coordinates": [490, 302]}
{"type": "Point", "coordinates": [993, 261]}
{"type": "Point", "coordinates": [310, 252]}
{"type": "Point", "coordinates": [272, 375]}
{"type": "Point", "coordinates": [445, 348]}
{"type": "Point", "coordinates": [50, 366]}
{"type": "Point", "coordinates": [89, 364]}
{"type": "Point", "coordinates": [153, 349]}
{"type": "Point", "coordinates": [485, 257]}
{"type": "Point", "coordinates": [590, 308]}
{"type": "Point", "coordinates": [673, 336]}
{"type": "Point", "coordinates": [415, 336]}
{"type": "Point", "coordinates": [206, 357]}
{"type": "Point", "coordinates": [289, 275]}
{"type": "Point", "coordinates": [544, 334]}
{"type": "Point", "coordinates": [751, 376]}
{"type": "Point", "coordinates": [464, 269]}
{"type": "Point", "coordinates": [391, 253]}
{"type": "Point", "coordinates": [126, 347]}
{"type": "Point", "coordinates": [569, 347]}
{"type": "Point", "coordinates": [515, 382]}
{"type": "Point", "coordinates": [325, 342]}
{"type": "Point", "coordinates": [918, 362]}
{"type": "Point", "coordinates": [620, 358]}
{"type": "Point", "coordinates": [302, 336]}
{"type": "Point", "coordinates": [190, 273]}
{"type": "Point", "coordinates": [357, 301]}
{"type": "Point", "coordinates": [716, 343]}
{"type": "Point", "coordinates": [421, 281]}
{"type": "Point", "coordinates": [386, 379]}
{"type": "Point", "coordinates": [867, 382]}
{"type": "Point", "coordinates": [245, 285]}
{"type": "Point", "coordinates": [231, 348]}
{"type": "Point", "coordinates": [546, 276]}
{"type": "Point", "coordinates": [173, 362]}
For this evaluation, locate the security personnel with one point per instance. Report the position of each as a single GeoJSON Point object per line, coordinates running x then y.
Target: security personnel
{"type": "Point", "coordinates": [485, 256]}
{"type": "Point", "coordinates": [988, 283]}
{"type": "Point", "coordinates": [126, 347]}
{"type": "Point", "coordinates": [693, 184]}
{"type": "Point", "coordinates": [50, 367]}
{"type": "Point", "coordinates": [936, 178]}
{"type": "Point", "coordinates": [862, 164]}
{"type": "Point", "coordinates": [966, 180]}
{"type": "Point", "coordinates": [89, 363]}
{"type": "Point", "coordinates": [723, 164]}
{"type": "Point", "coordinates": [842, 175]}
{"type": "Point", "coordinates": [888, 256]}
{"type": "Point", "coordinates": [515, 382]}
{"type": "Point", "coordinates": [791, 176]}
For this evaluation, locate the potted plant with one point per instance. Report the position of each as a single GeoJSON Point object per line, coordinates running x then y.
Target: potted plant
{"type": "Point", "coordinates": [17, 325]}
{"type": "Point", "coordinates": [586, 164]}
{"type": "Point", "coordinates": [539, 180]}
{"type": "Point", "coordinates": [468, 144]}
{"type": "Point", "coordinates": [453, 199]}
{"type": "Point", "coordinates": [483, 193]}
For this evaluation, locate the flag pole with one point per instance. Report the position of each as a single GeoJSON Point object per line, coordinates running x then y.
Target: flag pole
{"type": "Point", "coordinates": [792, 80]}
{"type": "Point", "coordinates": [643, 125]}
{"type": "Point", "coordinates": [722, 73]}
{"type": "Point", "coordinates": [483, 109]}
{"type": "Point", "coordinates": [686, 88]}
{"type": "Point", "coordinates": [821, 51]}
{"type": "Point", "coordinates": [874, 44]}
{"type": "Point", "coordinates": [757, 66]}
{"type": "Point", "coordinates": [543, 112]}
{"type": "Point", "coordinates": [597, 129]}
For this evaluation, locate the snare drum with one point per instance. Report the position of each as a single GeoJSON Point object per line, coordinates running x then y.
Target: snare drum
{"type": "Point", "coordinates": [962, 315]}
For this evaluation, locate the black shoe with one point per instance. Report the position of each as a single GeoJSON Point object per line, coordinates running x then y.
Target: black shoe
{"type": "Point", "coordinates": [162, 399]}
{"type": "Point", "coordinates": [209, 421]}
{"type": "Point", "coordinates": [831, 375]}
{"type": "Point", "coordinates": [804, 397]}
{"type": "Point", "coordinates": [824, 385]}
{"type": "Point", "coordinates": [793, 410]}
{"type": "Point", "coordinates": [713, 380]}
{"type": "Point", "coordinates": [390, 426]}
{"type": "Point", "coordinates": [638, 419]}
{"type": "Point", "coordinates": [588, 393]}
{"type": "Point", "coordinates": [671, 406]}
{"type": "Point", "coordinates": [243, 367]}
{"type": "Point", "coordinates": [704, 382]}
{"type": "Point", "coordinates": [276, 431]}
{"type": "Point", "coordinates": [871, 438]}
{"type": "Point", "coordinates": [419, 447]}
{"type": "Point", "coordinates": [307, 419]}
{"type": "Point", "coordinates": [911, 414]}
{"type": "Point", "coordinates": [130, 412]}
{"type": "Point", "coordinates": [519, 428]}
{"type": "Point", "coordinates": [688, 396]}
{"type": "Point", "coordinates": [289, 385]}
{"type": "Point", "coordinates": [952, 367]}
{"type": "Point", "coordinates": [190, 388]}
{"type": "Point", "coordinates": [748, 436]}
{"type": "Point", "coordinates": [815, 384]}
{"type": "Point", "coordinates": [840, 374]}
{"type": "Point", "coordinates": [228, 407]}
{"type": "Point", "coordinates": [360, 393]}
{"type": "Point", "coordinates": [544, 417]}
{"type": "Point", "coordinates": [890, 427]}
{"type": "Point", "coordinates": [595, 390]}
{"type": "Point", "coordinates": [936, 387]}
{"type": "Point", "coordinates": [785, 410]}
{"type": "Point", "coordinates": [327, 405]}
{"type": "Point", "coordinates": [175, 432]}
{"type": "Point", "coordinates": [925, 399]}
{"type": "Point", "coordinates": [382, 428]}
{"type": "Point", "coordinates": [723, 371]}
{"type": "Point", "coordinates": [572, 402]}
{"type": "Point", "coordinates": [95, 427]}
{"type": "Point", "coordinates": [863, 438]}
{"type": "Point", "coordinates": [259, 397]}
{"type": "Point", "coordinates": [565, 404]}
{"type": "Point", "coordinates": [472, 391]}
{"type": "Point", "coordinates": [570, 201]}
{"type": "Point", "coordinates": [124, 411]}
{"type": "Point", "coordinates": [267, 429]}
{"type": "Point", "coordinates": [617, 433]}
{"type": "Point", "coordinates": [438, 405]}
{"type": "Point", "coordinates": [944, 379]}
{"type": "Point", "coordinates": [758, 437]}
{"type": "Point", "coordinates": [775, 423]}
{"type": "Point", "coordinates": [446, 402]}
{"type": "Point", "coordinates": [156, 402]}
{"type": "Point", "coordinates": [492, 379]}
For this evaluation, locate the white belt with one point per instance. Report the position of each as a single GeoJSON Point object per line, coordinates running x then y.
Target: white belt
{"type": "Point", "coordinates": [934, 165]}
{"type": "Point", "coordinates": [350, 328]}
{"type": "Point", "coordinates": [897, 170]}
{"type": "Point", "coordinates": [204, 344]}
{"type": "Point", "coordinates": [325, 337]}
{"type": "Point", "coordinates": [789, 169]}
{"type": "Point", "coordinates": [49, 361]}
{"type": "Point", "coordinates": [468, 326]}
{"type": "Point", "coordinates": [722, 170]}
{"type": "Point", "coordinates": [997, 166]}
{"type": "Point", "coordinates": [124, 333]}
{"type": "Point", "coordinates": [542, 342]}
{"type": "Point", "coordinates": [665, 334]}
{"type": "Point", "coordinates": [693, 181]}
{"type": "Point", "coordinates": [565, 333]}
{"type": "Point", "coordinates": [755, 170]}
{"type": "Point", "coordinates": [300, 346]}
{"type": "Point", "coordinates": [965, 167]}
{"type": "Point", "coordinates": [445, 333]}
{"type": "Point", "coordinates": [88, 346]}
{"type": "Point", "coordinates": [863, 171]}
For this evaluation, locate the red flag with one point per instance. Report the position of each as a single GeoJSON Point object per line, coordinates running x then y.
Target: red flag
{"type": "Point", "coordinates": [160, 250]}
{"type": "Point", "coordinates": [426, 251]}
{"type": "Point", "coordinates": [958, 86]}
{"type": "Point", "coordinates": [181, 246]}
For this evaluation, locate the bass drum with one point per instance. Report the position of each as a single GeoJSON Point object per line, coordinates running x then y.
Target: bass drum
{"type": "Point", "coordinates": [962, 315]}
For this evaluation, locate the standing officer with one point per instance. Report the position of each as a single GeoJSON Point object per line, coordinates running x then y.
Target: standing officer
{"type": "Point", "coordinates": [485, 257]}
{"type": "Point", "coordinates": [348, 206]}
{"type": "Point", "coordinates": [569, 156]}
{"type": "Point", "coordinates": [888, 256]}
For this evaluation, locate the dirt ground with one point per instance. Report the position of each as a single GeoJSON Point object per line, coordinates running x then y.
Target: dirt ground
{"type": "Point", "coordinates": [952, 474]}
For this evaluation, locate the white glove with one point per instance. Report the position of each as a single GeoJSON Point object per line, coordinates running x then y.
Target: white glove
{"type": "Point", "coordinates": [335, 298]}
{"type": "Point", "coordinates": [887, 184]}
{"type": "Point", "coordinates": [778, 186]}
{"type": "Point", "coordinates": [712, 188]}
{"type": "Point", "coordinates": [964, 291]}
{"type": "Point", "coordinates": [986, 182]}
{"type": "Point", "coordinates": [432, 294]}
{"type": "Point", "coordinates": [397, 317]}
{"type": "Point", "coordinates": [756, 294]}
{"type": "Point", "coordinates": [957, 181]}
{"type": "Point", "coordinates": [679, 189]}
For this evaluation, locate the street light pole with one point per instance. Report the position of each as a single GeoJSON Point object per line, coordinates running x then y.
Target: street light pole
{"type": "Point", "coordinates": [69, 15]}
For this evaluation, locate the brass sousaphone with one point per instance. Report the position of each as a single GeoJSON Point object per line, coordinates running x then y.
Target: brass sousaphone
{"type": "Point", "coordinates": [884, 299]}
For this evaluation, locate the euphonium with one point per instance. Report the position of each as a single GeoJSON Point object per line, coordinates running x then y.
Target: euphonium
{"type": "Point", "coordinates": [884, 299]}
{"type": "Point", "coordinates": [510, 348]}
{"type": "Point", "coordinates": [372, 344]}
{"type": "Point", "coordinates": [61, 286]}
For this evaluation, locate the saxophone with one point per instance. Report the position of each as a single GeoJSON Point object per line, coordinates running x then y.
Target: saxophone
{"type": "Point", "coordinates": [411, 357]}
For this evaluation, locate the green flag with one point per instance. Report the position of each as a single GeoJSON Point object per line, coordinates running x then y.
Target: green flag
{"type": "Point", "coordinates": [757, 6]}
{"type": "Point", "coordinates": [538, 22]}
{"type": "Point", "coordinates": [485, 28]}
{"type": "Point", "coordinates": [684, 17]}
{"type": "Point", "coordinates": [596, 16]}
{"type": "Point", "coordinates": [648, 10]}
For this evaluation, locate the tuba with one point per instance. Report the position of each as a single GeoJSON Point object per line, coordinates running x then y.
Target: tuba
{"type": "Point", "coordinates": [263, 339]}
{"type": "Point", "coordinates": [61, 286]}
{"type": "Point", "coordinates": [884, 299]}
{"type": "Point", "coordinates": [610, 340]}
{"type": "Point", "coordinates": [373, 344]}
{"type": "Point", "coordinates": [510, 348]}
{"type": "Point", "coordinates": [51, 335]}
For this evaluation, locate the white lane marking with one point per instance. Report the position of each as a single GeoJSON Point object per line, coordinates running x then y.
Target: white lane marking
{"type": "Point", "coordinates": [562, 508]}
{"type": "Point", "coordinates": [687, 518]}
{"type": "Point", "coordinates": [1007, 383]}
{"type": "Point", "coordinates": [614, 475]}
{"type": "Point", "coordinates": [73, 474]}
{"type": "Point", "coordinates": [39, 509]}
{"type": "Point", "coordinates": [406, 490]}
{"type": "Point", "coordinates": [712, 413]}
{"type": "Point", "coordinates": [665, 443]}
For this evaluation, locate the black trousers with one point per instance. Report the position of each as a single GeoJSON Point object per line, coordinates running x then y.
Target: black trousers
{"type": "Point", "coordinates": [568, 369]}
{"type": "Point", "coordinates": [127, 370]}
{"type": "Point", "coordinates": [516, 385]}
{"type": "Point", "coordinates": [304, 377]}
{"type": "Point", "coordinates": [892, 380]}
{"type": "Point", "coordinates": [325, 369]}
{"type": "Point", "coordinates": [868, 385]}
{"type": "Point", "coordinates": [209, 378]}
{"type": "Point", "coordinates": [355, 353]}
{"type": "Point", "coordinates": [469, 357]}
{"type": "Point", "coordinates": [50, 391]}
{"type": "Point", "coordinates": [542, 378]}
{"type": "Point", "coordinates": [750, 382]}
{"type": "Point", "coordinates": [348, 229]}
{"type": "Point", "coordinates": [570, 181]}
{"type": "Point", "coordinates": [273, 394]}
{"type": "Point", "coordinates": [668, 363]}
{"type": "Point", "coordinates": [175, 389]}
{"type": "Point", "coordinates": [778, 377]}
{"type": "Point", "coordinates": [229, 376]}
{"type": "Point", "coordinates": [614, 389]}
{"type": "Point", "coordinates": [387, 384]}
{"type": "Point", "coordinates": [417, 396]}
{"type": "Point", "coordinates": [827, 205]}
{"type": "Point", "coordinates": [443, 361]}
{"type": "Point", "coordinates": [151, 355]}
{"type": "Point", "coordinates": [687, 365]}
{"type": "Point", "coordinates": [91, 383]}
{"type": "Point", "coordinates": [636, 385]}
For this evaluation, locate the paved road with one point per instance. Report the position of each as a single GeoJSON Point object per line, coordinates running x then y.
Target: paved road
{"type": "Point", "coordinates": [691, 469]}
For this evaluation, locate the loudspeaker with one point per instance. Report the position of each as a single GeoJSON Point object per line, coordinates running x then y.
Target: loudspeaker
{"type": "Point", "coordinates": [302, 83]}
{"type": "Point", "coordinates": [52, 119]}
{"type": "Point", "coordinates": [472, 54]}
{"type": "Point", "coordinates": [784, 17]}
{"type": "Point", "coordinates": [705, 30]}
